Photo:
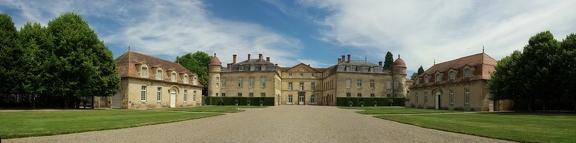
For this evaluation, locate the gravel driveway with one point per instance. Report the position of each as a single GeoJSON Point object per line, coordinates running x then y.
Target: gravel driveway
{"type": "Point", "coordinates": [273, 124]}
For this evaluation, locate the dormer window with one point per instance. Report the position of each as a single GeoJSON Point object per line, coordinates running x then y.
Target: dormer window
{"type": "Point", "coordinates": [173, 77]}
{"type": "Point", "coordinates": [159, 74]}
{"type": "Point", "coordinates": [426, 79]}
{"type": "Point", "coordinates": [438, 77]}
{"type": "Point", "coordinates": [194, 81]}
{"type": "Point", "coordinates": [417, 81]}
{"type": "Point", "coordinates": [144, 72]}
{"type": "Point", "coordinates": [467, 72]}
{"type": "Point", "coordinates": [185, 79]}
{"type": "Point", "coordinates": [452, 75]}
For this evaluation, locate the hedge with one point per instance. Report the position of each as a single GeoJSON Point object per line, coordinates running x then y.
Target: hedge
{"type": "Point", "coordinates": [242, 101]}
{"type": "Point", "coordinates": [369, 101]}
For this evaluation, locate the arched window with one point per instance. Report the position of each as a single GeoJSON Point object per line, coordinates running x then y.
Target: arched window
{"type": "Point", "coordinates": [194, 80]}
{"type": "Point", "coordinates": [467, 73]}
{"type": "Point", "coordinates": [173, 77]}
{"type": "Point", "coordinates": [159, 74]}
{"type": "Point", "coordinates": [185, 79]}
{"type": "Point", "coordinates": [452, 75]}
{"type": "Point", "coordinates": [438, 77]}
{"type": "Point", "coordinates": [144, 71]}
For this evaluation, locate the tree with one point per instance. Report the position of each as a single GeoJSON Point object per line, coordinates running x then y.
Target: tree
{"type": "Point", "coordinates": [34, 42]}
{"type": "Point", "coordinates": [197, 63]}
{"type": "Point", "coordinates": [388, 61]}
{"type": "Point", "coordinates": [420, 70]}
{"type": "Point", "coordinates": [568, 64]}
{"type": "Point", "coordinates": [505, 84]}
{"type": "Point", "coordinates": [9, 53]}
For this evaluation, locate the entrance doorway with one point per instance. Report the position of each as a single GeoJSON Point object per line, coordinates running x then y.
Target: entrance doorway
{"type": "Point", "coordinates": [301, 98]}
{"type": "Point", "coordinates": [438, 100]}
{"type": "Point", "coordinates": [173, 98]}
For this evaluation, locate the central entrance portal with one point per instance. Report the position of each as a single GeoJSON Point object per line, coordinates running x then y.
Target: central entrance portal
{"type": "Point", "coordinates": [301, 98]}
{"type": "Point", "coordinates": [438, 100]}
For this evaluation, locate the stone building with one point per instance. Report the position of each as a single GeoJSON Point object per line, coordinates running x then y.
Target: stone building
{"type": "Point", "coordinates": [150, 82]}
{"type": "Point", "coordinates": [459, 84]}
{"type": "Point", "coordinates": [305, 85]}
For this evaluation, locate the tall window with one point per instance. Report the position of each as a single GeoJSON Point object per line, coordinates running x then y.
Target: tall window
{"type": "Point", "coordinates": [251, 82]}
{"type": "Point", "coordinates": [223, 82]}
{"type": "Point", "coordinates": [185, 79]}
{"type": "Point", "coordinates": [301, 86]}
{"type": "Point", "coordinates": [194, 81]}
{"type": "Point", "coordinates": [262, 94]}
{"type": "Point", "coordinates": [372, 95]}
{"type": "Point", "coordinates": [359, 94]}
{"type": "Point", "coordinates": [388, 84]}
{"type": "Point", "coordinates": [312, 75]}
{"type": "Point", "coordinates": [250, 94]}
{"type": "Point", "coordinates": [289, 99]}
{"type": "Point", "coordinates": [193, 95]}
{"type": "Point", "coordinates": [290, 86]}
{"type": "Point", "coordinates": [301, 75]}
{"type": "Point", "coordinates": [451, 96]}
{"type": "Point", "coordinates": [416, 96]}
{"type": "Point", "coordinates": [425, 97]}
{"type": "Point", "coordinates": [143, 93]}
{"type": "Point", "coordinates": [467, 72]}
{"type": "Point", "coordinates": [348, 95]}
{"type": "Point", "coordinates": [144, 72]}
{"type": "Point", "coordinates": [289, 75]}
{"type": "Point", "coordinates": [313, 99]}
{"type": "Point", "coordinates": [159, 94]}
{"type": "Point", "coordinates": [371, 83]}
{"type": "Point", "coordinates": [240, 82]}
{"type": "Point", "coordinates": [347, 83]}
{"type": "Point", "coordinates": [466, 95]}
{"type": "Point", "coordinates": [185, 95]}
{"type": "Point", "coordinates": [159, 74]}
{"type": "Point", "coordinates": [217, 85]}
{"type": "Point", "coordinates": [313, 86]}
{"type": "Point", "coordinates": [359, 83]}
{"type": "Point", "coordinates": [438, 77]}
{"type": "Point", "coordinates": [426, 79]}
{"type": "Point", "coordinates": [173, 77]}
{"type": "Point", "coordinates": [452, 75]}
{"type": "Point", "coordinates": [263, 81]}
{"type": "Point", "coordinates": [239, 94]}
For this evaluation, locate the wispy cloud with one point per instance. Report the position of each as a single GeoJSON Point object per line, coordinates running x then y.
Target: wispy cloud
{"type": "Point", "coordinates": [169, 28]}
{"type": "Point", "coordinates": [423, 31]}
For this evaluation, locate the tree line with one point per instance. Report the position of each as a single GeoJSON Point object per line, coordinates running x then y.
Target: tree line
{"type": "Point", "coordinates": [541, 77]}
{"type": "Point", "coordinates": [56, 66]}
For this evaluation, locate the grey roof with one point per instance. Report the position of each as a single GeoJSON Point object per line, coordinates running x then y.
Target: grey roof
{"type": "Point", "coordinates": [359, 63]}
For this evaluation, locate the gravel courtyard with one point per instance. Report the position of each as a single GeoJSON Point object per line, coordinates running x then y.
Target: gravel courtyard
{"type": "Point", "coordinates": [273, 124]}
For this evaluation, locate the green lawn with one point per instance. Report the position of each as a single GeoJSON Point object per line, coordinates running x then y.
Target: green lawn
{"type": "Point", "coordinates": [509, 126]}
{"type": "Point", "coordinates": [395, 110]}
{"type": "Point", "coordinates": [218, 109]}
{"type": "Point", "coordinates": [40, 123]}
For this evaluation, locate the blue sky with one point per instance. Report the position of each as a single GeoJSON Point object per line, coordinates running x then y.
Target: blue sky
{"type": "Point", "coordinates": [315, 32]}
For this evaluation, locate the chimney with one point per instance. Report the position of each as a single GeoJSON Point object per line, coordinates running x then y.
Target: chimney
{"type": "Point", "coordinates": [339, 60]}
{"type": "Point", "coordinates": [268, 59]}
{"type": "Point", "coordinates": [348, 58]}
{"type": "Point", "coordinates": [248, 57]}
{"type": "Point", "coordinates": [380, 63]}
{"type": "Point", "coordinates": [343, 58]}
{"type": "Point", "coordinates": [234, 59]}
{"type": "Point", "coordinates": [276, 64]}
{"type": "Point", "coordinates": [228, 66]}
{"type": "Point", "coordinates": [259, 57]}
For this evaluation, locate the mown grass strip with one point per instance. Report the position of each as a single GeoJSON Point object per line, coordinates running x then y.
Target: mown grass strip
{"type": "Point", "coordinates": [41, 123]}
{"type": "Point", "coordinates": [509, 126]}
{"type": "Point", "coordinates": [395, 110]}
{"type": "Point", "coordinates": [216, 109]}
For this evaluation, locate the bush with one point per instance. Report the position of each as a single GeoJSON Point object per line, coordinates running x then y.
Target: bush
{"type": "Point", "coordinates": [267, 101]}
{"type": "Point", "coordinates": [343, 101]}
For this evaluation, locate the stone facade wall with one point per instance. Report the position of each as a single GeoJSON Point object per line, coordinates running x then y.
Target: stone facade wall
{"type": "Point", "coordinates": [478, 100]}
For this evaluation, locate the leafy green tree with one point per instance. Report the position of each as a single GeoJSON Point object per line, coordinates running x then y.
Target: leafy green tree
{"type": "Point", "coordinates": [35, 42]}
{"type": "Point", "coordinates": [420, 70]}
{"type": "Point", "coordinates": [9, 53]}
{"type": "Point", "coordinates": [568, 70]}
{"type": "Point", "coordinates": [505, 84]}
{"type": "Point", "coordinates": [197, 63]}
{"type": "Point", "coordinates": [388, 61]}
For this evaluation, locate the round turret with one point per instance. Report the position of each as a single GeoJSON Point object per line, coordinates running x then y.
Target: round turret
{"type": "Point", "coordinates": [399, 63]}
{"type": "Point", "coordinates": [215, 61]}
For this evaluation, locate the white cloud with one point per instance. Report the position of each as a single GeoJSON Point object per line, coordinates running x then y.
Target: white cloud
{"type": "Point", "coordinates": [423, 31]}
{"type": "Point", "coordinates": [169, 28]}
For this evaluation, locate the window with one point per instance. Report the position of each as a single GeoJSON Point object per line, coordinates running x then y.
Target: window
{"type": "Point", "coordinates": [359, 94]}
{"type": "Point", "coordinates": [216, 94]}
{"type": "Point", "coordinates": [185, 79]}
{"type": "Point", "coordinates": [312, 75]}
{"type": "Point", "coordinates": [425, 97]}
{"type": "Point", "coordinates": [251, 81]}
{"type": "Point", "coordinates": [173, 77]}
{"type": "Point", "coordinates": [301, 86]}
{"type": "Point", "coordinates": [262, 94]}
{"type": "Point", "coordinates": [263, 81]}
{"type": "Point", "coordinates": [388, 84]}
{"type": "Point", "coordinates": [416, 96]}
{"type": "Point", "coordinates": [289, 99]}
{"type": "Point", "coordinates": [417, 81]}
{"type": "Point", "coordinates": [223, 94]}
{"type": "Point", "coordinates": [289, 75]}
{"type": "Point", "coordinates": [438, 77]}
{"type": "Point", "coordinates": [348, 95]}
{"type": "Point", "coordinates": [467, 73]}
{"type": "Point", "coordinates": [426, 79]}
{"type": "Point", "coordinates": [159, 94]}
{"type": "Point", "coordinates": [290, 86]}
{"type": "Point", "coordinates": [143, 93]}
{"type": "Point", "coordinates": [185, 95]}
{"type": "Point", "coordinates": [240, 82]}
{"type": "Point", "coordinates": [347, 83]}
{"type": "Point", "coordinates": [250, 94]}
{"type": "Point", "coordinates": [372, 83]}
{"type": "Point", "coordinates": [313, 86]}
{"type": "Point", "coordinates": [301, 75]}
{"type": "Point", "coordinates": [372, 95]}
{"type": "Point", "coordinates": [451, 97]}
{"type": "Point", "coordinates": [466, 95]}
{"type": "Point", "coordinates": [359, 83]}
{"type": "Point", "coordinates": [159, 74]}
{"type": "Point", "coordinates": [193, 95]}
{"type": "Point", "coordinates": [223, 82]}
{"type": "Point", "coordinates": [388, 95]}
{"type": "Point", "coordinates": [217, 85]}
{"type": "Point", "coordinates": [313, 99]}
{"type": "Point", "coordinates": [452, 75]}
{"type": "Point", "coordinates": [144, 72]}
{"type": "Point", "coordinates": [239, 94]}
{"type": "Point", "coordinates": [194, 82]}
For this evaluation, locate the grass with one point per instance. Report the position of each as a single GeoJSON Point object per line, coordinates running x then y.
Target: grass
{"type": "Point", "coordinates": [41, 123]}
{"type": "Point", "coordinates": [508, 126]}
{"type": "Point", "coordinates": [217, 109]}
{"type": "Point", "coordinates": [395, 110]}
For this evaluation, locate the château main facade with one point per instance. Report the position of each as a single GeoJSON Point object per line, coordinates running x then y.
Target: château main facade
{"type": "Point", "coordinates": [302, 84]}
